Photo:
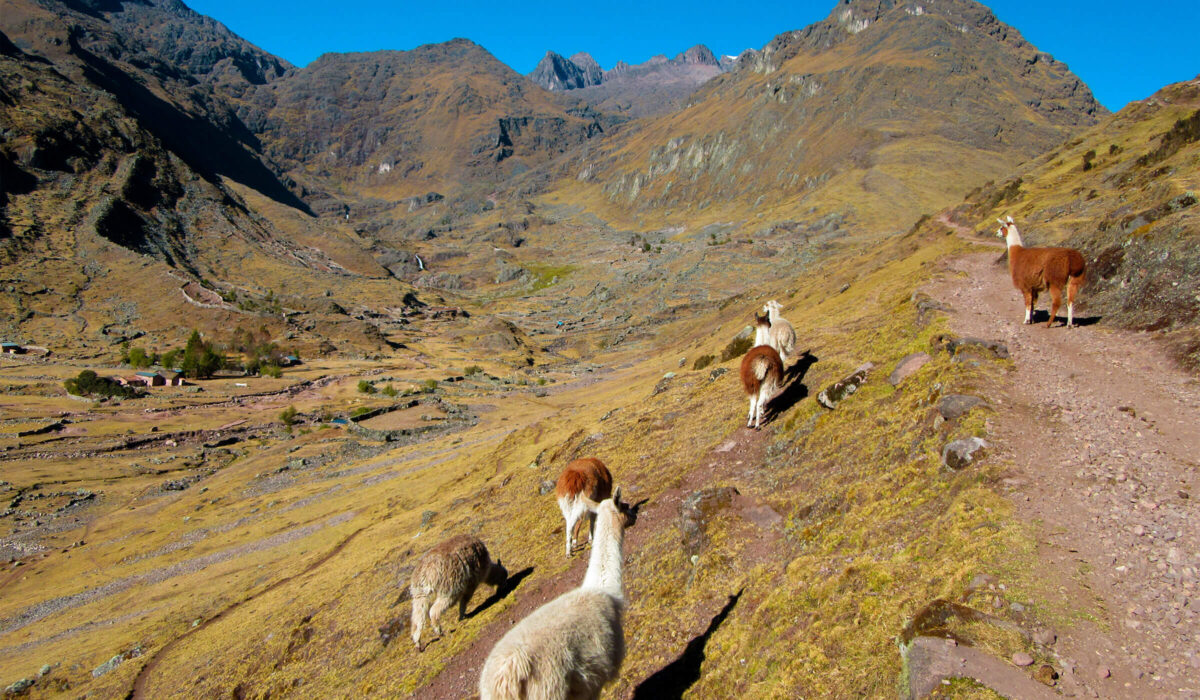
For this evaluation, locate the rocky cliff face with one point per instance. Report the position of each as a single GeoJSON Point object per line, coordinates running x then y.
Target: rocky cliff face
{"type": "Point", "coordinates": [554, 72]}
{"type": "Point", "coordinates": [883, 110]}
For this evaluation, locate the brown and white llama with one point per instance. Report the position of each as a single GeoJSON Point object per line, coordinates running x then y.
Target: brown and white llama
{"type": "Point", "coordinates": [582, 480]}
{"type": "Point", "coordinates": [762, 375]}
{"type": "Point", "coordinates": [1036, 270]}
{"type": "Point", "coordinates": [447, 574]}
{"type": "Point", "coordinates": [782, 336]}
{"type": "Point", "coordinates": [572, 646]}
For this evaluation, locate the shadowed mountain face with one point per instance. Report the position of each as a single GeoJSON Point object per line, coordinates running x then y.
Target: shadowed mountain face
{"type": "Point", "coordinates": [881, 111]}
{"type": "Point", "coordinates": [658, 86]}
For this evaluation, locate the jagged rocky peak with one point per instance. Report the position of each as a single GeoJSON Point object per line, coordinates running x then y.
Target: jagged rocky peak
{"type": "Point", "coordinates": [699, 55]}
{"type": "Point", "coordinates": [554, 72]}
{"type": "Point", "coordinates": [592, 72]}
{"type": "Point", "coordinates": [857, 15]}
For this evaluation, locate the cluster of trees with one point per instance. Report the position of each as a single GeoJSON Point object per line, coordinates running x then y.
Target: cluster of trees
{"type": "Point", "coordinates": [201, 358]}
{"type": "Point", "coordinates": [89, 383]}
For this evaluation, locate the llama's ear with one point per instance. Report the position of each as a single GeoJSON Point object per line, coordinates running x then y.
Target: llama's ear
{"type": "Point", "coordinates": [1010, 220]}
{"type": "Point", "coordinates": [1001, 221]}
{"type": "Point", "coordinates": [617, 495]}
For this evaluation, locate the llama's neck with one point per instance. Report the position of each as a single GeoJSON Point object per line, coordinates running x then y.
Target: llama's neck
{"type": "Point", "coordinates": [1013, 237]}
{"type": "Point", "coordinates": [762, 334]}
{"type": "Point", "coordinates": [773, 313]}
{"type": "Point", "coordinates": [604, 565]}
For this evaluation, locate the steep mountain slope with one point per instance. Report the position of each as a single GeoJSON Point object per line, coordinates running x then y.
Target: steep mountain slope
{"type": "Point", "coordinates": [407, 122]}
{"type": "Point", "coordinates": [882, 111]}
{"type": "Point", "coordinates": [128, 183]}
{"type": "Point", "coordinates": [1125, 193]}
{"type": "Point", "coordinates": [657, 86]}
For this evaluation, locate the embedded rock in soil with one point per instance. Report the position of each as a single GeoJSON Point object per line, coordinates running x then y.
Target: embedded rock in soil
{"type": "Point", "coordinates": [833, 394]}
{"type": "Point", "coordinates": [961, 453]}
{"type": "Point", "coordinates": [698, 510]}
{"type": "Point", "coordinates": [955, 346]}
{"type": "Point", "coordinates": [957, 405]}
{"type": "Point", "coordinates": [907, 366]}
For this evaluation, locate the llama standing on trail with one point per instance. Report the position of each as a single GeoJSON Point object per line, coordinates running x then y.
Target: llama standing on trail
{"type": "Point", "coordinates": [572, 646]}
{"type": "Point", "coordinates": [447, 574]}
{"type": "Point", "coordinates": [585, 478]}
{"type": "Point", "coordinates": [762, 374]}
{"type": "Point", "coordinates": [1035, 270]}
{"type": "Point", "coordinates": [782, 336]}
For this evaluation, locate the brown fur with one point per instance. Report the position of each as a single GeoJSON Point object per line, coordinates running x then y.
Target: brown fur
{"type": "Point", "coordinates": [1036, 270]}
{"type": "Point", "coordinates": [449, 573]}
{"type": "Point", "coordinates": [759, 364]}
{"type": "Point", "coordinates": [762, 375]}
{"type": "Point", "coordinates": [587, 476]}
{"type": "Point", "coordinates": [584, 479]}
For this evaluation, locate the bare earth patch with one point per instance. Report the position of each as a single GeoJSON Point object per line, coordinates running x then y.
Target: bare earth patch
{"type": "Point", "coordinates": [1100, 429]}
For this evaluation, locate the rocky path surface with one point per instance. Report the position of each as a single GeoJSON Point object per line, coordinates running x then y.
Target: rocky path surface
{"type": "Point", "coordinates": [1102, 432]}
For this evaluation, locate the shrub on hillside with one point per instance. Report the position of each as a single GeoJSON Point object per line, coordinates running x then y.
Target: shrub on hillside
{"type": "Point", "coordinates": [365, 387]}
{"type": "Point", "coordinates": [736, 348]}
{"type": "Point", "coordinates": [89, 383]}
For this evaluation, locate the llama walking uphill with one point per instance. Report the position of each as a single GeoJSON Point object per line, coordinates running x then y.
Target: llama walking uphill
{"type": "Point", "coordinates": [572, 646]}
{"type": "Point", "coordinates": [762, 375]}
{"type": "Point", "coordinates": [781, 335]}
{"type": "Point", "coordinates": [583, 480]}
{"type": "Point", "coordinates": [1035, 270]}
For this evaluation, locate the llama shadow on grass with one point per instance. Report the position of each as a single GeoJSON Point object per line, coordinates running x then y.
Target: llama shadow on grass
{"type": "Point", "coordinates": [1043, 315]}
{"type": "Point", "coordinates": [794, 388]}
{"type": "Point", "coordinates": [510, 584]}
{"type": "Point", "coordinates": [674, 679]}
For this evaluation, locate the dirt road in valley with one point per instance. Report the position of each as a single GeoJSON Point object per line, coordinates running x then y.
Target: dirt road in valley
{"type": "Point", "coordinates": [1102, 432]}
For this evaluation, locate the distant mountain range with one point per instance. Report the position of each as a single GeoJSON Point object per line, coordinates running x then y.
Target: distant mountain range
{"type": "Point", "coordinates": [656, 86]}
{"type": "Point", "coordinates": [143, 131]}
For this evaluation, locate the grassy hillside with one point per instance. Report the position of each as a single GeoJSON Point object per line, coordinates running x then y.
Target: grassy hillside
{"type": "Point", "coordinates": [274, 568]}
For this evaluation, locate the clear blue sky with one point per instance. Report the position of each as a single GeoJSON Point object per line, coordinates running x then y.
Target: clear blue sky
{"type": "Point", "coordinates": [1124, 51]}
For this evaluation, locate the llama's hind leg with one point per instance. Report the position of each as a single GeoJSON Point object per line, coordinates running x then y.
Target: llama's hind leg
{"type": "Point", "coordinates": [571, 515]}
{"type": "Point", "coordinates": [435, 613]}
{"type": "Point", "coordinates": [420, 608]}
{"type": "Point", "coordinates": [1073, 285]}
{"type": "Point", "coordinates": [1030, 302]}
{"type": "Point", "coordinates": [1055, 304]}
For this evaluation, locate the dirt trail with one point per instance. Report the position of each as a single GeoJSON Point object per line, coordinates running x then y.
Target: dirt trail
{"type": "Point", "coordinates": [1101, 430]}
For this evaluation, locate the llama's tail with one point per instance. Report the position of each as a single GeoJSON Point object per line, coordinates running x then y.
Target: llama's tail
{"type": "Point", "coordinates": [762, 367]}
{"type": "Point", "coordinates": [508, 680]}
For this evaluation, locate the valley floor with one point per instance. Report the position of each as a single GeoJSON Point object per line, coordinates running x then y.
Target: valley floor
{"type": "Point", "coordinates": [1099, 428]}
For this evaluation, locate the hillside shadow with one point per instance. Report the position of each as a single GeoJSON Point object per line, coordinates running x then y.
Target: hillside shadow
{"type": "Point", "coordinates": [794, 389]}
{"type": "Point", "coordinates": [1043, 315]}
{"type": "Point", "coordinates": [674, 679]}
{"type": "Point", "coordinates": [210, 151]}
{"type": "Point", "coordinates": [510, 584]}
